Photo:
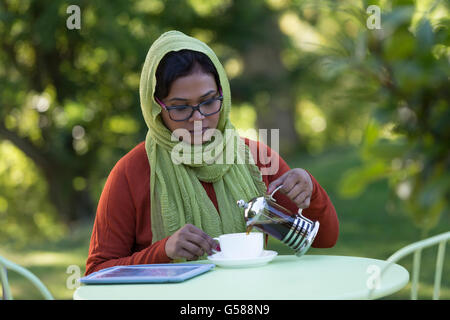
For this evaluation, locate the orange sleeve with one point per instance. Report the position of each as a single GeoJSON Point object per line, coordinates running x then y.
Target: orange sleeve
{"type": "Point", "coordinates": [114, 232]}
{"type": "Point", "coordinates": [320, 209]}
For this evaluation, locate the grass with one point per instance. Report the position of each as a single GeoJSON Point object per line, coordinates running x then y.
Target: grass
{"type": "Point", "coordinates": [50, 263]}
{"type": "Point", "coordinates": [367, 229]}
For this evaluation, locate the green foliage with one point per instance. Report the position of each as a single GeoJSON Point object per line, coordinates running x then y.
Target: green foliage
{"type": "Point", "coordinates": [407, 140]}
{"type": "Point", "coordinates": [70, 98]}
{"type": "Point", "coordinates": [25, 213]}
{"type": "Point", "coordinates": [70, 102]}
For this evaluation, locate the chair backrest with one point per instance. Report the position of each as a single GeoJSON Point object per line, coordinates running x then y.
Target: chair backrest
{"type": "Point", "coordinates": [5, 265]}
{"type": "Point", "coordinates": [417, 248]}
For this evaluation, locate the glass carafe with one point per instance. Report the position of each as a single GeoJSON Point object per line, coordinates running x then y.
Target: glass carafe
{"type": "Point", "coordinates": [294, 230]}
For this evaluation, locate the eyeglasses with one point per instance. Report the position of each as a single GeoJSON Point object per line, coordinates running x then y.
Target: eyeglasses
{"type": "Point", "coordinates": [206, 108]}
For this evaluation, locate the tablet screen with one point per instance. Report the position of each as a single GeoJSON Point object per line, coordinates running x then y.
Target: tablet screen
{"type": "Point", "coordinates": [146, 272]}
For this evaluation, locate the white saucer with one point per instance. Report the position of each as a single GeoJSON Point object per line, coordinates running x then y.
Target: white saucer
{"type": "Point", "coordinates": [265, 257]}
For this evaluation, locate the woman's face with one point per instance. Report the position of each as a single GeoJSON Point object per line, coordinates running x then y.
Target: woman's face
{"type": "Point", "coordinates": [192, 90]}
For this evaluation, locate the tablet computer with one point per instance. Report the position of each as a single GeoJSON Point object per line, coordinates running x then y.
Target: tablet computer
{"type": "Point", "coordinates": [147, 273]}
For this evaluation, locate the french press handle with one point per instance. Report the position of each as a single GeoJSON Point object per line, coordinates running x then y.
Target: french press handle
{"type": "Point", "coordinates": [299, 210]}
{"type": "Point", "coordinates": [273, 192]}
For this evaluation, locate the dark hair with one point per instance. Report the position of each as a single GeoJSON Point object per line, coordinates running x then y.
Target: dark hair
{"type": "Point", "coordinates": [181, 63]}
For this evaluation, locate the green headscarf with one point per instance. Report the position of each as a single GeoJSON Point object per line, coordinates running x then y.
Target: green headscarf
{"type": "Point", "coordinates": [176, 194]}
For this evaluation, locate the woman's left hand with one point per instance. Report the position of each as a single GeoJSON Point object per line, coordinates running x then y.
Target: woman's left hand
{"type": "Point", "coordinates": [297, 185]}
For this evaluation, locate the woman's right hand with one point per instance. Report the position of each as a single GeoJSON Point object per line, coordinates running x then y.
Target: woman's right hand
{"type": "Point", "coordinates": [189, 242]}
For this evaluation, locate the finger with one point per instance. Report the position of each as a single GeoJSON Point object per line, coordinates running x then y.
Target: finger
{"type": "Point", "coordinates": [201, 241]}
{"type": "Point", "coordinates": [273, 185]}
{"type": "Point", "coordinates": [213, 244]}
{"type": "Point", "coordinates": [192, 248]}
{"type": "Point", "coordinates": [182, 253]}
{"type": "Point", "coordinates": [193, 258]}
{"type": "Point", "coordinates": [305, 181]}
{"type": "Point", "coordinates": [308, 180]}
{"type": "Point", "coordinates": [289, 183]}
{"type": "Point", "coordinates": [306, 203]}
{"type": "Point", "coordinates": [191, 228]}
{"type": "Point", "coordinates": [204, 237]}
{"type": "Point", "coordinates": [277, 182]}
{"type": "Point", "coordinates": [295, 191]}
{"type": "Point", "coordinates": [300, 198]}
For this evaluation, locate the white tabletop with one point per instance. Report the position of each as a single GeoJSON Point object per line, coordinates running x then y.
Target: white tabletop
{"type": "Point", "coordinates": [287, 277]}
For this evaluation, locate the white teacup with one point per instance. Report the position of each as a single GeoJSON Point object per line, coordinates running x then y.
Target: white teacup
{"type": "Point", "coordinates": [241, 245]}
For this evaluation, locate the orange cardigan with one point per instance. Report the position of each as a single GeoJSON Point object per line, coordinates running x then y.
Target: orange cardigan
{"type": "Point", "coordinates": [122, 229]}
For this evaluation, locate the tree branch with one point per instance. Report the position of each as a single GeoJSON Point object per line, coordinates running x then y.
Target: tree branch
{"type": "Point", "coordinates": [26, 146]}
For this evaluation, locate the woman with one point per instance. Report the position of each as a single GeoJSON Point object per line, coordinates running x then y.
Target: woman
{"type": "Point", "coordinates": [154, 209]}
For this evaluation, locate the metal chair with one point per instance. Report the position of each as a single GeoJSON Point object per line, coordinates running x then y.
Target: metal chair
{"type": "Point", "coordinates": [5, 265]}
{"type": "Point", "coordinates": [417, 248]}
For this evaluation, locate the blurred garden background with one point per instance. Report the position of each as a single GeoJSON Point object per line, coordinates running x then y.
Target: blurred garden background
{"type": "Point", "coordinates": [364, 108]}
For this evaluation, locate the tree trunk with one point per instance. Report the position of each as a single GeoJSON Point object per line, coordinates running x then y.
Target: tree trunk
{"type": "Point", "coordinates": [72, 205]}
{"type": "Point", "coordinates": [277, 116]}
{"type": "Point", "coordinates": [263, 66]}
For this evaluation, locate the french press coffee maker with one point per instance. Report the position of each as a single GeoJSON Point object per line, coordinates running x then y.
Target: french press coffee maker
{"type": "Point", "coordinates": [294, 230]}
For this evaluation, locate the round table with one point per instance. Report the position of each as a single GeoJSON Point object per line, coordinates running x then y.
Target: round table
{"type": "Point", "coordinates": [287, 277]}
